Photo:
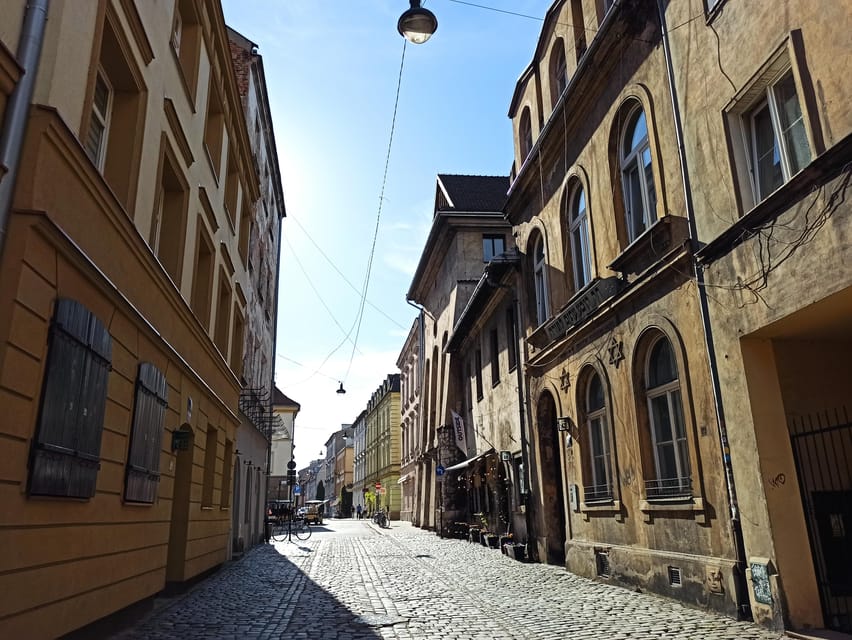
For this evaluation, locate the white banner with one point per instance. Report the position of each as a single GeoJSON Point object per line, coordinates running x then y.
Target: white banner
{"type": "Point", "coordinates": [460, 431]}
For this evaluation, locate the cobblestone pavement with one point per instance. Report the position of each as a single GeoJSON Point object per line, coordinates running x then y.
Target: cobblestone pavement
{"type": "Point", "coordinates": [353, 581]}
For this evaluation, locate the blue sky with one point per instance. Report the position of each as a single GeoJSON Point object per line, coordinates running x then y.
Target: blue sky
{"type": "Point", "coordinates": [332, 68]}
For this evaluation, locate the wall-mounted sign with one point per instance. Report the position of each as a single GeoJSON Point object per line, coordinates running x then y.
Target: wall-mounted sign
{"type": "Point", "coordinates": [760, 582]}
{"type": "Point", "coordinates": [181, 440]}
{"type": "Point", "coordinates": [584, 306]}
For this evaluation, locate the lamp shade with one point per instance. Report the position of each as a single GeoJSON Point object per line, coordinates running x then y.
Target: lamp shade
{"type": "Point", "coordinates": [417, 24]}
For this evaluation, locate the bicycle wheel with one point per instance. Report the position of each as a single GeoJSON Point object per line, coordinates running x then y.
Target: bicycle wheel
{"type": "Point", "coordinates": [279, 532]}
{"type": "Point", "coordinates": [302, 530]}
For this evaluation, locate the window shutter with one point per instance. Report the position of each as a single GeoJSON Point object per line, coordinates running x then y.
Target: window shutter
{"type": "Point", "coordinates": [143, 461]}
{"type": "Point", "coordinates": [66, 453]}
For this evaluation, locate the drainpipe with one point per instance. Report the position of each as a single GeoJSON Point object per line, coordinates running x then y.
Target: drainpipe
{"type": "Point", "coordinates": [743, 605]}
{"type": "Point", "coordinates": [18, 106]}
{"type": "Point", "coordinates": [522, 415]}
{"type": "Point", "coordinates": [420, 350]}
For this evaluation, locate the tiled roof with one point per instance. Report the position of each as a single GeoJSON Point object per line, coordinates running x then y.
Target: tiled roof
{"type": "Point", "coordinates": [474, 193]}
{"type": "Point", "coordinates": [278, 399]}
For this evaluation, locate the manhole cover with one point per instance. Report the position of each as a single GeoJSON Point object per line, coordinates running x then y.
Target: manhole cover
{"type": "Point", "coordinates": [379, 620]}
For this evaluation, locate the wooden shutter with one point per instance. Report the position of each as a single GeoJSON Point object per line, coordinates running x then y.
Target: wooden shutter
{"type": "Point", "coordinates": [143, 460]}
{"type": "Point", "coordinates": [66, 452]}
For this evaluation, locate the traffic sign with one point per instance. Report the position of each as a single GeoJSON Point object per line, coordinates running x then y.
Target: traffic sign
{"type": "Point", "coordinates": [378, 485]}
{"type": "Point", "coordinates": [291, 464]}
{"type": "Point", "coordinates": [297, 490]}
{"type": "Point", "coordinates": [439, 470]}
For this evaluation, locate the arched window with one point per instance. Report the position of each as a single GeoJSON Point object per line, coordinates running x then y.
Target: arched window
{"type": "Point", "coordinates": [668, 431]}
{"type": "Point", "coordinates": [558, 72]}
{"type": "Point", "coordinates": [525, 134]}
{"type": "Point", "coordinates": [542, 307]}
{"type": "Point", "coordinates": [640, 196]}
{"type": "Point", "coordinates": [597, 446]}
{"type": "Point", "coordinates": [578, 231]}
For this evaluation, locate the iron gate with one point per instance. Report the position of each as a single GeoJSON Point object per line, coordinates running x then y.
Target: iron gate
{"type": "Point", "coordinates": [822, 448]}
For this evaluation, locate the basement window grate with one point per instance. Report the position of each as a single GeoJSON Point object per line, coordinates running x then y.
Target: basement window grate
{"type": "Point", "coordinates": [675, 577]}
{"type": "Point", "coordinates": [602, 564]}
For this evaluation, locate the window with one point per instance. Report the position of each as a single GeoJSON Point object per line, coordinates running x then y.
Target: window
{"type": "Point", "coordinates": [245, 231]}
{"type": "Point", "coordinates": [168, 224]}
{"type": "Point", "coordinates": [511, 339]}
{"type": "Point", "coordinates": [525, 134]}
{"type": "Point", "coordinates": [578, 231]}
{"type": "Point", "coordinates": [96, 140]}
{"type": "Point", "coordinates": [237, 344]}
{"type": "Point", "coordinates": [214, 128]}
{"type": "Point", "coordinates": [177, 30]}
{"type": "Point", "coordinates": [540, 280]}
{"type": "Point", "coordinates": [143, 461]}
{"type": "Point", "coordinates": [579, 28]}
{"type": "Point", "coordinates": [247, 512]}
{"type": "Point", "coordinates": [223, 316]}
{"type": "Point", "coordinates": [202, 282]}
{"type": "Point", "coordinates": [558, 72]}
{"type": "Point", "coordinates": [777, 142]}
{"type": "Point", "coordinates": [186, 44]}
{"type": "Point", "coordinates": [492, 246]}
{"type": "Point", "coordinates": [668, 432]}
{"type": "Point", "coordinates": [232, 183]}
{"type": "Point", "coordinates": [227, 468]}
{"type": "Point", "coordinates": [495, 356]}
{"type": "Point", "coordinates": [65, 454]}
{"type": "Point", "coordinates": [478, 372]}
{"type": "Point", "coordinates": [640, 198]}
{"type": "Point", "coordinates": [115, 125]}
{"type": "Point", "coordinates": [597, 431]}
{"type": "Point", "coordinates": [209, 467]}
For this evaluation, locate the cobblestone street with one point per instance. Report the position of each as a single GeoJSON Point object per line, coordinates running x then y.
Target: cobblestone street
{"type": "Point", "coordinates": [352, 581]}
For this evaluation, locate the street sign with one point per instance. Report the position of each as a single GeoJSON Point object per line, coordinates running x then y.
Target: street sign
{"type": "Point", "coordinates": [378, 485]}
{"type": "Point", "coordinates": [297, 490]}
{"type": "Point", "coordinates": [291, 465]}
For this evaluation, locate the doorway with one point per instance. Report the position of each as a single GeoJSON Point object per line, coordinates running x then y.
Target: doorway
{"type": "Point", "coordinates": [178, 530]}
{"type": "Point", "coordinates": [552, 495]}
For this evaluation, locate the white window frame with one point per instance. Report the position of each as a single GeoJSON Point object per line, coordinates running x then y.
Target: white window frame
{"type": "Point", "coordinates": [678, 428]}
{"type": "Point", "coordinates": [596, 422]}
{"type": "Point", "coordinates": [542, 305]}
{"type": "Point", "coordinates": [177, 29]}
{"type": "Point", "coordinates": [632, 161]}
{"type": "Point", "coordinates": [578, 232]}
{"type": "Point", "coordinates": [102, 118]}
{"type": "Point", "coordinates": [770, 101]}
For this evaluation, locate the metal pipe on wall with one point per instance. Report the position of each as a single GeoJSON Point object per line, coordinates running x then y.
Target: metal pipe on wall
{"type": "Point", "coordinates": [18, 106]}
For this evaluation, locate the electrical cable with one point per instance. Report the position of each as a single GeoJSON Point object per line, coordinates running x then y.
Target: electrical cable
{"type": "Point", "coordinates": [360, 316]}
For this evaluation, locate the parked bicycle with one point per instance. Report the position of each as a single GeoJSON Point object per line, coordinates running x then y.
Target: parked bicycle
{"type": "Point", "coordinates": [285, 529]}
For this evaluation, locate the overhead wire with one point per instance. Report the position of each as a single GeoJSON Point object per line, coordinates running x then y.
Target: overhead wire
{"type": "Point", "coordinates": [360, 316]}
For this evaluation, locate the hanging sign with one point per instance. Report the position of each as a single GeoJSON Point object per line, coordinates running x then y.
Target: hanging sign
{"type": "Point", "coordinates": [460, 432]}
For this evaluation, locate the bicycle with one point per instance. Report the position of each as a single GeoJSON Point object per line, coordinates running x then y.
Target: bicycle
{"type": "Point", "coordinates": [285, 529]}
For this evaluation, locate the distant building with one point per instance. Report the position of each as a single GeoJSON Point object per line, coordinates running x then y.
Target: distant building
{"type": "Point", "coordinates": [382, 448]}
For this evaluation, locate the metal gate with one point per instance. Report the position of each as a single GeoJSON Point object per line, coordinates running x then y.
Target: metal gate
{"type": "Point", "coordinates": [822, 448]}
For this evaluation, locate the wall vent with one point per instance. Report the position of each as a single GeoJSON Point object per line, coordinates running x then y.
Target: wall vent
{"type": "Point", "coordinates": [602, 564]}
{"type": "Point", "coordinates": [675, 578]}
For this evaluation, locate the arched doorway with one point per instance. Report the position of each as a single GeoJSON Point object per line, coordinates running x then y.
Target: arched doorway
{"type": "Point", "coordinates": [552, 496]}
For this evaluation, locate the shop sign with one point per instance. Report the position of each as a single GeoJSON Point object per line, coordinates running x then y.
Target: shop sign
{"type": "Point", "coordinates": [583, 307]}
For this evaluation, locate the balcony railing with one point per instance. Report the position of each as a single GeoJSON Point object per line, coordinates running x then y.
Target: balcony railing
{"type": "Point", "coordinates": [669, 488]}
{"type": "Point", "coordinates": [597, 493]}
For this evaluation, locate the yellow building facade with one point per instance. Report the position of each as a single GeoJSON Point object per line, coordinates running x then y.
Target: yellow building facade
{"type": "Point", "coordinates": [122, 309]}
{"type": "Point", "coordinates": [382, 449]}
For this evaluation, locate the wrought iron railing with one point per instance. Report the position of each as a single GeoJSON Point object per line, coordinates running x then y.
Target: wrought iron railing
{"type": "Point", "coordinates": [669, 488]}
{"type": "Point", "coordinates": [597, 492]}
{"type": "Point", "coordinates": [256, 405]}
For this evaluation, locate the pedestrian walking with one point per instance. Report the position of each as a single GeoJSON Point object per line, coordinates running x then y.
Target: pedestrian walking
{"type": "Point", "coordinates": [358, 511]}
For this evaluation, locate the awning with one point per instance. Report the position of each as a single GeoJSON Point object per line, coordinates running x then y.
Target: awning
{"type": "Point", "coordinates": [469, 461]}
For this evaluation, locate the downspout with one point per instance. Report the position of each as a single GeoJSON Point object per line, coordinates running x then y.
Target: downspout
{"type": "Point", "coordinates": [18, 106]}
{"type": "Point", "coordinates": [742, 601]}
{"type": "Point", "coordinates": [522, 418]}
{"type": "Point", "coordinates": [420, 351]}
